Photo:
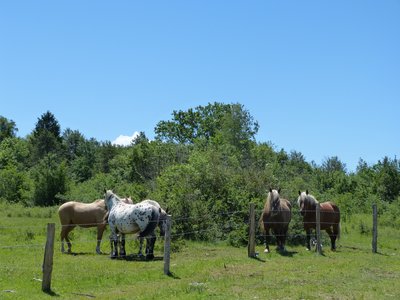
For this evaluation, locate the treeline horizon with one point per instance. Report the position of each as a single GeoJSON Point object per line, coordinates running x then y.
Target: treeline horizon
{"type": "Point", "coordinates": [204, 159]}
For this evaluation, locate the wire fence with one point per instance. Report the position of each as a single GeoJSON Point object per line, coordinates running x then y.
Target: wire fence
{"type": "Point", "coordinates": [39, 230]}
{"type": "Point", "coordinates": [33, 238]}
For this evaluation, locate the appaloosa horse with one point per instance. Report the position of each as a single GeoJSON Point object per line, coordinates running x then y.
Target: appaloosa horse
{"type": "Point", "coordinates": [276, 216]}
{"type": "Point", "coordinates": [125, 218]}
{"type": "Point", "coordinates": [329, 217]}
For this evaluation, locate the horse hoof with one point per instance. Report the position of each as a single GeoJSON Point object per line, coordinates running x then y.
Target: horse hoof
{"type": "Point", "coordinates": [266, 251]}
{"type": "Point", "coordinates": [307, 249]}
{"type": "Point", "coordinates": [149, 256]}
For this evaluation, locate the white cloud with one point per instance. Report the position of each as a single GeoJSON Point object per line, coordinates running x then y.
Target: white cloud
{"type": "Point", "coordinates": [125, 140]}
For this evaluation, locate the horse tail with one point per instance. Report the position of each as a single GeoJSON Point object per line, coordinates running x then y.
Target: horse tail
{"type": "Point", "coordinates": [338, 227]}
{"type": "Point", "coordinates": [155, 214]}
{"type": "Point", "coordinates": [261, 222]}
{"type": "Point", "coordinates": [105, 218]}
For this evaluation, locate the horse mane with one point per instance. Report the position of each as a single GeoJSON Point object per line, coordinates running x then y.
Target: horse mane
{"type": "Point", "coordinates": [268, 201]}
{"type": "Point", "coordinates": [110, 193]}
{"type": "Point", "coordinates": [310, 201]}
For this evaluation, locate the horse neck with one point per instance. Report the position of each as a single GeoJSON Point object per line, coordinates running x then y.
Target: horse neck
{"type": "Point", "coordinates": [311, 202]}
{"type": "Point", "coordinates": [112, 201]}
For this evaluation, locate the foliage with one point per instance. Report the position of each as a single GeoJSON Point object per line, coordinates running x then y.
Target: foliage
{"type": "Point", "coordinates": [8, 128]}
{"type": "Point", "coordinates": [205, 165]}
{"type": "Point", "coordinates": [50, 180]}
{"type": "Point", "coordinates": [46, 137]}
{"type": "Point", "coordinates": [231, 121]}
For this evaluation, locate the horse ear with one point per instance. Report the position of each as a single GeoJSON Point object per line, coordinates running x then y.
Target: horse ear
{"type": "Point", "coordinates": [306, 192]}
{"type": "Point", "coordinates": [105, 191]}
{"type": "Point", "coordinates": [167, 210]}
{"type": "Point", "coordinates": [279, 190]}
{"type": "Point", "coordinates": [299, 193]}
{"type": "Point", "coordinates": [270, 190]}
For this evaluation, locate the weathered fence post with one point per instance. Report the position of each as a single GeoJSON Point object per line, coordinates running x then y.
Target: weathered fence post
{"type": "Point", "coordinates": [374, 229]}
{"type": "Point", "coordinates": [48, 258]}
{"type": "Point", "coordinates": [318, 227]}
{"type": "Point", "coordinates": [167, 246]}
{"type": "Point", "coordinates": [251, 250]}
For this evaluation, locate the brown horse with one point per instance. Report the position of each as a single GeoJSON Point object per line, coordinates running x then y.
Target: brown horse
{"type": "Point", "coordinates": [85, 215]}
{"type": "Point", "coordinates": [276, 216]}
{"type": "Point", "coordinates": [329, 217]}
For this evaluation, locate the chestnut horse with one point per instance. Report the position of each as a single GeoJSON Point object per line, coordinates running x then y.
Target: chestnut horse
{"type": "Point", "coordinates": [85, 215]}
{"type": "Point", "coordinates": [329, 217]}
{"type": "Point", "coordinates": [276, 216]}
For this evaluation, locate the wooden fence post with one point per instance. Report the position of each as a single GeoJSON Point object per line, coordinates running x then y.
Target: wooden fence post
{"type": "Point", "coordinates": [251, 250]}
{"type": "Point", "coordinates": [48, 258]}
{"type": "Point", "coordinates": [374, 229]}
{"type": "Point", "coordinates": [318, 227]}
{"type": "Point", "coordinates": [167, 246]}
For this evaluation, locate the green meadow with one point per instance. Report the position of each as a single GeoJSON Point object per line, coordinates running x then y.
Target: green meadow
{"type": "Point", "coordinates": [199, 270]}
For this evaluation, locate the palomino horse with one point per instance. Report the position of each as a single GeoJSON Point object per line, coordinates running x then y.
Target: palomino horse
{"type": "Point", "coordinates": [276, 217]}
{"type": "Point", "coordinates": [329, 217]}
{"type": "Point", "coordinates": [85, 215]}
{"type": "Point", "coordinates": [125, 218]}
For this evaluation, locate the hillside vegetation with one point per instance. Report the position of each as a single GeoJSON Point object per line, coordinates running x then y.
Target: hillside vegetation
{"type": "Point", "coordinates": [204, 159]}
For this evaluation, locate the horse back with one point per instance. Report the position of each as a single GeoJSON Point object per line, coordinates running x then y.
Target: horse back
{"type": "Point", "coordinates": [83, 214]}
{"type": "Point", "coordinates": [330, 212]}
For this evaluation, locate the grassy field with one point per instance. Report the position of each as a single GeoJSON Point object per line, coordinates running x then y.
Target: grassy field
{"type": "Point", "coordinates": [199, 270]}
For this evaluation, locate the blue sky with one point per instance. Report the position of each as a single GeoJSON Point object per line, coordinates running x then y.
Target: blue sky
{"type": "Point", "coordinates": [320, 77]}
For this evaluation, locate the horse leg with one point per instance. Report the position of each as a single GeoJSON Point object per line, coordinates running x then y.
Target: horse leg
{"type": "Point", "coordinates": [280, 239]}
{"type": "Point", "coordinates": [122, 251]}
{"type": "Point", "coordinates": [62, 237]}
{"type": "Point", "coordinates": [283, 239]}
{"type": "Point", "coordinates": [113, 242]}
{"type": "Point", "coordinates": [267, 239]}
{"type": "Point", "coordinates": [150, 241]}
{"type": "Point", "coordinates": [65, 230]}
{"type": "Point", "coordinates": [333, 238]}
{"type": "Point", "coordinates": [308, 239]}
{"type": "Point", "coordinates": [100, 231]}
{"type": "Point", "coordinates": [141, 239]}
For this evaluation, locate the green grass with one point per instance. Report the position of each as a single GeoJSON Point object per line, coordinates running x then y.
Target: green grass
{"type": "Point", "coordinates": [199, 270]}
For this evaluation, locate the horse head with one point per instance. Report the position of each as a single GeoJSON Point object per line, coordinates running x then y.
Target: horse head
{"type": "Point", "coordinates": [306, 202]}
{"type": "Point", "coordinates": [275, 201]}
{"type": "Point", "coordinates": [109, 199]}
{"type": "Point", "coordinates": [162, 221]}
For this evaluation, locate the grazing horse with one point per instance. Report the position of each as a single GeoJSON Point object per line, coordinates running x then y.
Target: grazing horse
{"type": "Point", "coordinates": [329, 217]}
{"type": "Point", "coordinates": [85, 215]}
{"type": "Point", "coordinates": [276, 216]}
{"type": "Point", "coordinates": [125, 218]}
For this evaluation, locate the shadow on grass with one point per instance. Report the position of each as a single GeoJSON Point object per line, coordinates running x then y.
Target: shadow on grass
{"type": "Point", "coordinates": [288, 253]}
{"type": "Point", "coordinates": [51, 293]}
{"type": "Point", "coordinates": [257, 258]}
{"type": "Point", "coordinates": [173, 276]}
{"type": "Point", "coordinates": [85, 253]}
{"type": "Point", "coordinates": [135, 257]}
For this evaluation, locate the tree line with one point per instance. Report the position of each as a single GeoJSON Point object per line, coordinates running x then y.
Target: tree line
{"type": "Point", "coordinates": [204, 164]}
